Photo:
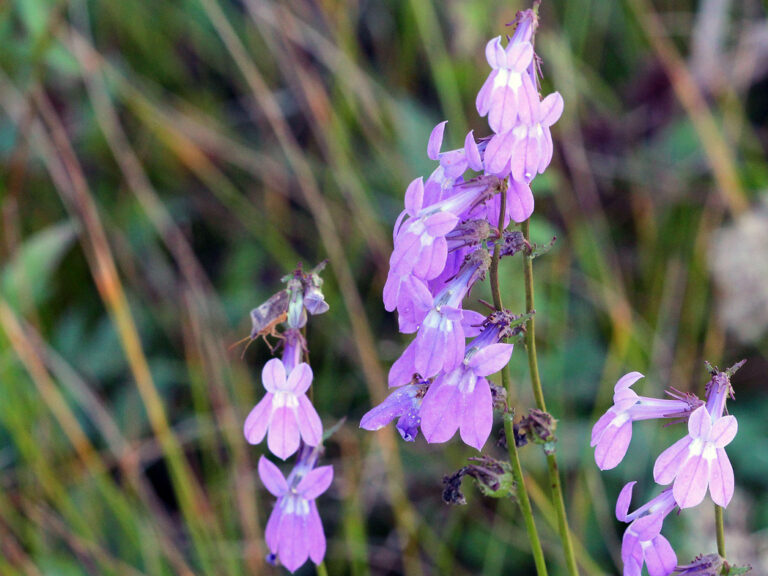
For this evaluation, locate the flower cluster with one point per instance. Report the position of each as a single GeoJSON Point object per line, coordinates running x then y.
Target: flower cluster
{"type": "Point", "coordinates": [693, 465]}
{"type": "Point", "coordinates": [290, 423]}
{"type": "Point", "coordinates": [441, 249]}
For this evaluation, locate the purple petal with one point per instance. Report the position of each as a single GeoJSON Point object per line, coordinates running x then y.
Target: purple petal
{"type": "Point", "coordinates": [392, 290]}
{"type": "Point", "coordinates": [627, 380]}
{"type": "Point", "coordinates": [647, 527]}
{"type": "Point", "coordinates": [699, 423]}
{"type": "Point", "coordinates": [505, 104]}
{"type": "Point", "coordinates": [546, 150]}
{"type": "Point", "coordinates": [413, 304]}
{"type": "Point", "coordinates": [272, 478]}
{"type": "Point", "coordinates": [441, 223]}
{"type": "Point", "coordinates": [477, 415]}
{"type": "Point", "coordinates": [519, 55]}
{"type": "Point", "coordinates": [483, 100]}
{"type": "Point", "coordinates": [273, 375]}
{"type": "Point", "coordinates": [551, 109]}
{"type": "Point", "coordinates": [721, 481]}
{"type": "Point", "coordinates": [668, 463]}
{"type": "Point", "coordinates": [691, 482]}
{"type": "Point", "coordinates": [472, 323]}
{"type": "Point", "coordinates": [436, 141]}
{"type": "Point", "coordinates": [495, 54]}
{"type": "Point", "coordinates": [518, 149]}
{"type": "Point", "coordinates": [723, 431]}
{"type": "Point", "coordinates": [440, 412]}
{"type": "Point", "coordinates": [660, 558]}
{"type": "Point", "coordinates": [404, 368]}
{"type": "Point", "coordinates": [491, 359]}
{"type": "Point", "coordinates": [528, 98]}
{"type": "Point", "coordinates": [315, 535]}
{"type": "Point", "coordinates": [257, 422]}
{"type": "Point", "coordinates": [613, 445]}
{"type": "Point", "coordinates": [300, 379]}
{"type": "Point", "coordinates": [272, 530]}
{"type": "Point", "coordinates": [283, 438]}
{"type": "Point", "coordinates": [473, 152]}
{"type": "Point", "coordinates": [292, 542]}
{"type": "Point", "coordinates": [315, 482]}
{"type": "Point", "coordinates": [396, 404]}
{"type": "Point", "coordinates": [602, 423]}
{"type": "Point", "coordinates": [623, 501]}
{"type": "Point", "coordinates": [498, 152]}
{"type": "Point", "coordinates": [310, 427]}
{"type": "Point", "coordinates": [414, 196]}
{"type": "Point", "coordinates": [519, 201]}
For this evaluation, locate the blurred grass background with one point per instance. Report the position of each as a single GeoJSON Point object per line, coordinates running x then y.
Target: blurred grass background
{"type": "Point", "coordinates": [165, 163]}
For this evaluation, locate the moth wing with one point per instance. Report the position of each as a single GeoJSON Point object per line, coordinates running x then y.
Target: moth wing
{"type": "Point", "coordinates": [266, 314]}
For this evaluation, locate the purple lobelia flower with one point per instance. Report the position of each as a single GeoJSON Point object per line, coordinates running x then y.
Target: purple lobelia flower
{"type": "Point", "coordinates": [461, 398]}
{"type": "Point", "coordinates": [526, 149]}
{"type": "Point", "coordinates": [612, 433]}
{"type": "Point", "coordinates": [294, 531]}
{"type": "Point", "coordinates": [509, 87]}
{"type": "Point", "coordinates": [285, 411]}
{"type": "Point", "coordinates": [642, 542]}
{"type": "Point", "coordinates": [698, 461]}
{"type": "Point", "coordinates": [439, 343]}
{"type": "Point", "coordinates": [405, 405]}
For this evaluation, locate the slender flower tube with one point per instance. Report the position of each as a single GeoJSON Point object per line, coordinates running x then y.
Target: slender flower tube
{"type": "Point", "coordinates": [294, 530]}
{"type": "Point", "coordinates": [612, 433]}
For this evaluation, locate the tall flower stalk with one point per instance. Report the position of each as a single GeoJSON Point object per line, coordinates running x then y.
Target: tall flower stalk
{"type": "Point", "coordinates": [286, 417]}
{"type": "Point", "coordinates": [452, 232]}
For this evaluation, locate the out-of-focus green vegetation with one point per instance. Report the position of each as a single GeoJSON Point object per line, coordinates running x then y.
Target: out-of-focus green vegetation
{"type": "Point", "coordinates": [165, 163]}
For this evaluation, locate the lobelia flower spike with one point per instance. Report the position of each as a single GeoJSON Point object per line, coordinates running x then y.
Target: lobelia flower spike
{"type": "Point", "coordinates": [612, 433]}
{"type": "Point", "coordinates": [294, 530]}
{"type": "Point", "coordinates": [643, 543]}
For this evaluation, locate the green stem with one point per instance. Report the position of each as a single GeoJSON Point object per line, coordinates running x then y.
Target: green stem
{"type": "Point", "coordinates": [554, 474]}
{"type": "Point", "coordinates": [720, 530]}
{"type": "Point", "coordinates": [322, 570]}
{"type": "Point", "coordinates": [514, 459]}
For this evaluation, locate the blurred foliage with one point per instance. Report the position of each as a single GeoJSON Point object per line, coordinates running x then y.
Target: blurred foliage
{"type": "Point", "coordinates": [202, 148]}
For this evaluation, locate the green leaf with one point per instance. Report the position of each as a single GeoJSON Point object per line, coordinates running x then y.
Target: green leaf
{"type": "Point", "coordinates": [26, 279]}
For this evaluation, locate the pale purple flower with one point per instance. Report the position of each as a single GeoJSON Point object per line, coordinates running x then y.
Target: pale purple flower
{"type": "Point", "coordinates": [461, 398]}
{"type": "Point", "coordinates": [285, 411]}
{"type": "Point", "coordinates": [420, 245]}
{"type": "Point", "coordinates": [405, 405]}
{"type": "Point", "coordinates": [404, 368]}
{"type": "Point", "coordinates": [642, 542]}
{"type": "Point", "coordinates": [439, 344]}
{"type": "Point", "coordinates": [506, 93]}
{"type": "Point", "coordinates": [698, 461]}
{"type": "Point", "coordinates": [612, 433]}
{"type": "Point", "coordinates": [294, 530]}
{"type": "Point", "coordinates": [525, 149]}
